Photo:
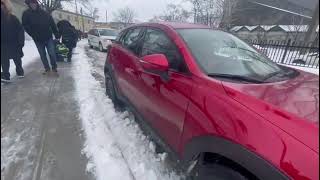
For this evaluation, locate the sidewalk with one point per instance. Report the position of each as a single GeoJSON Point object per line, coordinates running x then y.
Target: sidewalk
{"type": "Point", "coordinates": [40, 128]}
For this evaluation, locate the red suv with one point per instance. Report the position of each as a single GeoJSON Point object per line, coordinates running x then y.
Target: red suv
{"type": "Point", "coordinates": [227, 111]}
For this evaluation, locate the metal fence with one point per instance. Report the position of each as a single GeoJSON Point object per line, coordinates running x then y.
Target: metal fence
{"type": "Point", "coordinates": [290, 52]}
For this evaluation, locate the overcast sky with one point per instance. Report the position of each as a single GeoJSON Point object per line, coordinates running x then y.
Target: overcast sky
{"type": "Point", "coordinates": [145, 9]}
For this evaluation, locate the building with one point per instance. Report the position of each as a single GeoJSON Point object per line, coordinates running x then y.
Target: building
{"type": "Point", "coordinates": [112, 25]}
{"type": "Point", "coordinates": [80, 22]}
{"type": "Point", "coordinates": [102, 25]}
{"type": "Point", "coordinates": [273, 32]}
{"type": "Point", "coordinates": [119, 25]}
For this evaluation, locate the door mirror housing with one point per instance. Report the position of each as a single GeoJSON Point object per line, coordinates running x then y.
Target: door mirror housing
{"type": "Point", "coordinates": [155, 63]}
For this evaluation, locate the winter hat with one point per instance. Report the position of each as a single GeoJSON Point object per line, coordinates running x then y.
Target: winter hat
{"type": "Point", "coordinates": [31, 1]}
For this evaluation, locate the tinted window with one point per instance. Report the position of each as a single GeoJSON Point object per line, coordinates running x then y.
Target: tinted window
{"type": "Point", "coordinates": [131, 40]}
{"type": "Point", "coordinates": [96, 33]}
{"type": "Point", "coordinates": [157, 42]}
{"type": "Point", "coordinates": [218, 52]}
{"type": "Point", "coordinates": [107, 32]}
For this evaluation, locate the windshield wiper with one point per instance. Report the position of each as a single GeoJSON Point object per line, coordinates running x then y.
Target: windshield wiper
{"type": "Point", "coordinates": [272, 75]}
{"type": "Point", "coordinates": [235, 77]}
{"type": "Point", "coordinates": [244, 49]}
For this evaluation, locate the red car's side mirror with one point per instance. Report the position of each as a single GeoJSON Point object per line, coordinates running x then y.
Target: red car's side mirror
{"type": "Point", "coordinates": [155, 62]}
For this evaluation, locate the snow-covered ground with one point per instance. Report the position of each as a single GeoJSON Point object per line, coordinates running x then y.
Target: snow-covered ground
{"type": "Point", "coordinates": [115, 145]}
{"type": "Point", "coordinates": [276, 54]}
{"type": "Point", "coordinates": [306, 69]}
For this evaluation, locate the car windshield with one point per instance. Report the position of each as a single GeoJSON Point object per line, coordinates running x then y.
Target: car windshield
{"type": "Point", "coordinates": [107, 32]}
{"type": "Point", "coordinates": [220, 53]}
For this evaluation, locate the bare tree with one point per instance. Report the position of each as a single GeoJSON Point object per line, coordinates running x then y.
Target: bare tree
{"type": "Point", "coordinates": [92, 12]}
{"type": "Point", "coordinates": [295, 28]}
{"type": "Point", "coordinates": [207, 12]}
{"type": "Point", "coordinates": [174, 13]}
{"type": "Point", "coordinates": [155, 19]}
{"type": "Point", "coordinates": [229, 7]}
{"type": "Point", "coordinates": [125, 15]}
{"type": "Point", "coordinates": [52, 5]}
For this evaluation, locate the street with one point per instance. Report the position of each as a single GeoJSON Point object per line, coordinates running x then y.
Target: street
{"type": "Point", "coordinates": [65, 127]}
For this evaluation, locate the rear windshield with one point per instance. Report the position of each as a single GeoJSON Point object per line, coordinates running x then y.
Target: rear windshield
{"type": "Point", "coordinates": [107, 32]}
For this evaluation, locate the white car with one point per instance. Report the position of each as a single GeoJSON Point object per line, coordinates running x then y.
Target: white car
{"type": "Point", "coordinates": [101, 38]}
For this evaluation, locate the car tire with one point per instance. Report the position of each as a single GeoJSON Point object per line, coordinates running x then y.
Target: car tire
{"type": "Point", "coordinates": [100, 47]}
{"type": "Point", "coordinates": [111, 91]}
{"type": "Point", "coordinates": [90, 44]}
{"type": "Point", "coordinates": [214, 171]}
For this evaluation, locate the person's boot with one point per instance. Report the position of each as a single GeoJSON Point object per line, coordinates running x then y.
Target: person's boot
{"type": "Point", "coordinates": [46, 72]}
{"type": "Point", "coordinates": [55, 70]}
{"type": "Point", "coordinates": [20, 75]}
{"type": "Point", "coordinates": [5, 79]}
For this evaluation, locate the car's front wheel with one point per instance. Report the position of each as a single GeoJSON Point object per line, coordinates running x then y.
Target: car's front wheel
{"type": "Point", "coordinates": [111, 90]}
{"type": "Point", "coordinates": [212, 171]}
{"type": "Point", "coordinates": [90, 44]}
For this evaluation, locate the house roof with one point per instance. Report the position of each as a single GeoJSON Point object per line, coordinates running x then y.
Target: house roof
{"type": "Point", "coordinates": [286, 28]}
{"type": "Point", "coordinates": [294, 28]}
{"type": "Point", "coordinates": [236, 28]}
{"type": "Point", "coordinates": [250, 28]}
{"type": "Point", "coordinates": [267, 27]}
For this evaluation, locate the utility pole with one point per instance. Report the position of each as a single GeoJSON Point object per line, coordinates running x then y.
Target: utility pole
{"type": "Point", "coordinates": [82, 20]}
{"type": "Point", "coordinates": [313, 24]}
{"type": "Point", "coordinates": [106, 16]}
{"type": "Point", "coordinates": [75, 2]}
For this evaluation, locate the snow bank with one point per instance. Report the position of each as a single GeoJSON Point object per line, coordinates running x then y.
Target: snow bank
{"type": "Point", "coordinates": [115, 145]}
{"type": "Point", "coordinates": [306, 69]}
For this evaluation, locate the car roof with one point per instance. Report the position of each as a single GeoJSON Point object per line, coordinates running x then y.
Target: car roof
{"type": "Point", "coordinates": [174, 25]}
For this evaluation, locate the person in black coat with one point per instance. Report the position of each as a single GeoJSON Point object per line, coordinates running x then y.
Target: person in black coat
{"type": "Point", "coordinates": [12, 42]}
{"type": "Point", "coordinates": [40, 26]}
{"type": "Point", "coordinates": [69, 36]}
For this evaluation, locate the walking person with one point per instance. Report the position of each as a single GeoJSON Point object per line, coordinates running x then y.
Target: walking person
{"type": "Point", "coordinates": [12, 42]}
{"type": "Point", "coordinates": [69, 36]}
{"type": "Point", "coordinates": [41, 26]}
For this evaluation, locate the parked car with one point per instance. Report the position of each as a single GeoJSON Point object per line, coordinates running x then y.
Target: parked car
{"type": "Point", "coordinates": [224, 109]}
{"type": "Point", "coordinates": [101, 38]}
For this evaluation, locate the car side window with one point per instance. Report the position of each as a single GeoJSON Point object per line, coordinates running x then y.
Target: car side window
{"type": "Point", "coordinates": [96, 33]}
{"type": "Point", "coordinates": [157, 42]}
{"type": "Point", "coordinates": [121, 36]}
{"type": "Point", "coordinates": [131, 40]}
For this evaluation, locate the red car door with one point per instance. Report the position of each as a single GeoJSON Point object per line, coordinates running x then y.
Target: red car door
{"type": "Point", "coordinates": [126, 63]}
{"type": "Point", "coordinates": [165, 101]}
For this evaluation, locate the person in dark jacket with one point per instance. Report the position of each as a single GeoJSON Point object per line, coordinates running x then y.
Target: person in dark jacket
{"type": "Point", "coordinates": [69, 36]}
{"type": "Point", "coordinates": [12, 42]}
{"type": "Point", "coordinates": [40, 26]}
